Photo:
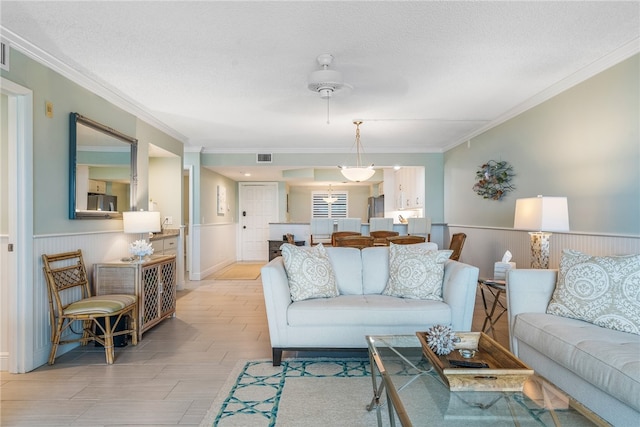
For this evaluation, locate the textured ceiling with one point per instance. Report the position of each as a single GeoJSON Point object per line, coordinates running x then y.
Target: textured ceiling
{"type": "Point", "coordinates": [232, 76]}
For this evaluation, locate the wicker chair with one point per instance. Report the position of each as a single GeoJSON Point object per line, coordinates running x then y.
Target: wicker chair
{"type": "Point", "coordinates": [457, 242]}
{"type": "Point", "coordinates": [380, 237]}
{"type": "Point", "coordinates": [355, 241]}
{"type": "Point", "coordinates": [70, 300]}
{"type": "Point", "coordinates": [405, 240]}
{"type": "Point", "coordinates": [338, 234]}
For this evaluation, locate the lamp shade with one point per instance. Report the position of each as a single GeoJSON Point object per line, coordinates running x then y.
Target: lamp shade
{"type": "Point", "coordinates": [357, 174]}
{"type": "Point", "coordinates": [141, 222]}
{"type": "Point", "coordinates": [542, 214]}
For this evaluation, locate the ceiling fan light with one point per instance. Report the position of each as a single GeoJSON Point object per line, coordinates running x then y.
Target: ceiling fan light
{"type": "Point", "coordinates": [357, 174]}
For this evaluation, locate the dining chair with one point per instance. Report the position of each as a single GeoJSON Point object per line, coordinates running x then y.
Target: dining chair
{"type": "Point", "coordinates": [457, 242]}
{"type": "Point", "coordinates": [380, 224]}
{"type": "Point", "coordinates": [405, 240]}
{"type": "Point", "coordinates": [349, 224]}
{"type": "Point", "coordinates": [338, 234]}
{"type": "Point", "coordinates": [321, 230]}
{"type": "Point", "coordinates": [380, 237]}
{"type": "Point", "coordinates": [70, 300]}
{"type": "Point", "coordinates": [419, 227]}
{"type": "Point", "coordinates": [355, 241]}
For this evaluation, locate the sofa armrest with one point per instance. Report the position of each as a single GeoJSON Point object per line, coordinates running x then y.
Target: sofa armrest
{"type": "Point", "coordinates": [528, 291]}
{"type": "Point", "coordinates": [459, 292]}
{"type": "Point", "coordinates": [277, 298]}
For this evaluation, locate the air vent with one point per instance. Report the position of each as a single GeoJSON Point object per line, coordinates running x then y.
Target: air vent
{"type": "Point", "coordinates": [263, 158]}
{"type": "Point", "coordinates": [4, 56]}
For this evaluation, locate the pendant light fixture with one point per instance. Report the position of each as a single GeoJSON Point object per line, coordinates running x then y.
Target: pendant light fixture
{"type": "Point", "coordinates": [359, 172]}
{"type": "Point", "coordinates": [330, 199]}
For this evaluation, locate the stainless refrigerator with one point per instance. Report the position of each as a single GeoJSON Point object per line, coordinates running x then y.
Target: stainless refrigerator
{"type": "Point", "coordinates": [102, 202]}
{"type": "Point", "coordinates": [376, 207]}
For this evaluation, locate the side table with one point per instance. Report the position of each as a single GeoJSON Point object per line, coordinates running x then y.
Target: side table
{"type": "Point", "coordinates": [494, 312]}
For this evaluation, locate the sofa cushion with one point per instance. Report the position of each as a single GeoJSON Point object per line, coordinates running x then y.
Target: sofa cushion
{"type": "Point", "coordinates": [605, 358]}
{"type": "Point", "coordinates": [371, 310]}
{"type": "Point", "coordinates": [602, 290]}
{"type": "Point", "coordinates": [416, 272]}
{"type": "Point", "coordinates": [347, 266]}
{"type": "Point", "coordinates": [309, 271]}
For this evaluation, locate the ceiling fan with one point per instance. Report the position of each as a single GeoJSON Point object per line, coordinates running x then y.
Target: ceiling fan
{"type": "Point", "coordinates": [325, 81]}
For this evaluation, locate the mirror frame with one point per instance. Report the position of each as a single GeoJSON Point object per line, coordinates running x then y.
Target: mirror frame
{"type": "Point", "coordinates": [74, 119]}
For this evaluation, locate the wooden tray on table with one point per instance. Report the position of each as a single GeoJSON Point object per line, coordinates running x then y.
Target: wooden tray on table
{"type": "Point", "coordinates": [505, 372]}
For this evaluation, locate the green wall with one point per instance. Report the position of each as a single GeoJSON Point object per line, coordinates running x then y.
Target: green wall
{"type": "Point", "coordinates": [51, 142]}
{"type": "Point", "coordinates": [584, 144]}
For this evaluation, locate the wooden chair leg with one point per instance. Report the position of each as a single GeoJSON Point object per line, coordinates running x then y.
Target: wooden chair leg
{"type": "Point", "coordinates": [55, 340]}
{"type": "Point", "coordinates": [133, 316]}
{"type": "Point", "coordinates": [108, 340]}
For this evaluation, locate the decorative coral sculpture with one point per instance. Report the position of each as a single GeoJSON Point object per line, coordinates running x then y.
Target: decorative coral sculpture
{"type": "Point", "coordinates": [441, 339]}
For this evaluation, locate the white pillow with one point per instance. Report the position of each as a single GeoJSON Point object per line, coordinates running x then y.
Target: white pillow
{"type": "Point", "coordinates": [309, 271]}
{"type": "Point", "coordinates": [602, 290]}
{"type": "Point", "coordinates": [416, 272]}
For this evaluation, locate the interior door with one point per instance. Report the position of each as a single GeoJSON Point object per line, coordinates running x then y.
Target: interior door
{"type": "Point", "coordinates": [258, 207]}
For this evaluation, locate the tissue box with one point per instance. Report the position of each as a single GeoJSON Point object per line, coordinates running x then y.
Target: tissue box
{"type": "Point", "coordinates": [500, 269]}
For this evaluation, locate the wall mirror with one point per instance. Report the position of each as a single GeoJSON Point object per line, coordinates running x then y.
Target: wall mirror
{"type": "Point", "coordinates": [102, 170]}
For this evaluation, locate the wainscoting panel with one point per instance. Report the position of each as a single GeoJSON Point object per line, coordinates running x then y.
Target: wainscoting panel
{"type": "Point", "coordinates": [214, 248]}
{"type": "Point", "coordinates": [96, 247]}
{"type": "Point", "coordinates": [4, 308]}
{"type": "Point", "coordinates": [485, 246]}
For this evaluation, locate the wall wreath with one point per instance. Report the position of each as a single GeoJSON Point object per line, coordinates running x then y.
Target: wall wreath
{"type": "Point", "coordinates": [493, 180]}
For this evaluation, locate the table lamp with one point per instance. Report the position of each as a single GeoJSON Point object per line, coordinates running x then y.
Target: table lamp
{"type": "Point", "coordinates": [141, 222]}
{"type": "Point", "coordinates": [540, 215]}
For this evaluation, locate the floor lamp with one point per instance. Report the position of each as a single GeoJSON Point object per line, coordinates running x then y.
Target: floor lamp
{"type": "Point", "coordinates": [540, 215]}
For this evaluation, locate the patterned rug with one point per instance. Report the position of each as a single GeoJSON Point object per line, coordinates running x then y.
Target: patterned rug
{"type": "Point", "coordinates": [261, 394]}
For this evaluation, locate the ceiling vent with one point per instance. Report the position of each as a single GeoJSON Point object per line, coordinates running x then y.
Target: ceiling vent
{"type": "Point", "coordinates": [4, 55]}
{"type": "Point", "coordinates": [263, 158]}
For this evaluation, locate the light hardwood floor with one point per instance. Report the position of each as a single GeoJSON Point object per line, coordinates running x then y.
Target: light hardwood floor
{"type": "Point", "coordinates": [170, 378]}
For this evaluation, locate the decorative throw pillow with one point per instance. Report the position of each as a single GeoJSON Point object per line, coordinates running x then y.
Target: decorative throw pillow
{"type": "Point", "coordinates": [603, 290]}
{"type": "Point", "coordinates": [416, 272]}
{"type": "Point", "coordinates": [309, 271]}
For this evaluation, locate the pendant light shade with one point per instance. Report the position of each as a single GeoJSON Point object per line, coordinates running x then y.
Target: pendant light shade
{"type": "Point", "coordinates": [359, 172]}
{"type": "Point", "coordinates": [330, 199]}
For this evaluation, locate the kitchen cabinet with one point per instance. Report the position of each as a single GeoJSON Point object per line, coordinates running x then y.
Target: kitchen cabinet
{"type": "Point", "coordinates": [152, 281]}
{"type": "Point", "coordinates": [97, 187]}
{"type": "Point", "coordinates": [165, 245]}
{"type": "Point", "coordinates": [409, 188]}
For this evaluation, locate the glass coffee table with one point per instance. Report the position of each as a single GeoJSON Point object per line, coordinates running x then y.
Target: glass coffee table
{"type": "Point", "coordinates": [412, 393]}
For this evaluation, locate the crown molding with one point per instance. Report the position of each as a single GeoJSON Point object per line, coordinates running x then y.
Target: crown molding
{"type": "Point", "coordinates": [607, 61]}
{"type": "Point", "coordinates": [99, 88]}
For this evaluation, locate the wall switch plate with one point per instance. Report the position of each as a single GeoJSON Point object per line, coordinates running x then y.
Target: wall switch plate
{"type": "Point", "coordinates": [168, 220]}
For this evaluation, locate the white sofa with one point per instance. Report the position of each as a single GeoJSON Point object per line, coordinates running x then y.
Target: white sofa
{"type": "Point", "coordinates": [597, 366]}
{"type": "Point", "coordinates": [342, 322]}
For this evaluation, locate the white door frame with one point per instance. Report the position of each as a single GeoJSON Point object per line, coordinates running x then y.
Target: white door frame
{"type": "Point", "coordinates": [20, 212]}
{"type": "Point", "coordinates": [189, 237]}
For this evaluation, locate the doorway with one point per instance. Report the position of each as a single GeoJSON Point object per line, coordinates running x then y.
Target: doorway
{"type": "Point", "coordinates": [16, 262]}
{"type": "Point", "coordinates": [258, 203]}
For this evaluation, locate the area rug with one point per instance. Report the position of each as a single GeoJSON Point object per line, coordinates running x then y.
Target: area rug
{"type": "Point", "coordinates": [300, 392]}
{"type": "Point", "coordinates": [239, 271]}
{"type": "Point", "coordinates": [331, 392]}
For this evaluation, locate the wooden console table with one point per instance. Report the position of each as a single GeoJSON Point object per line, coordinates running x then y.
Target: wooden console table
{"type": "Point", "coordinates": [153, 282]}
